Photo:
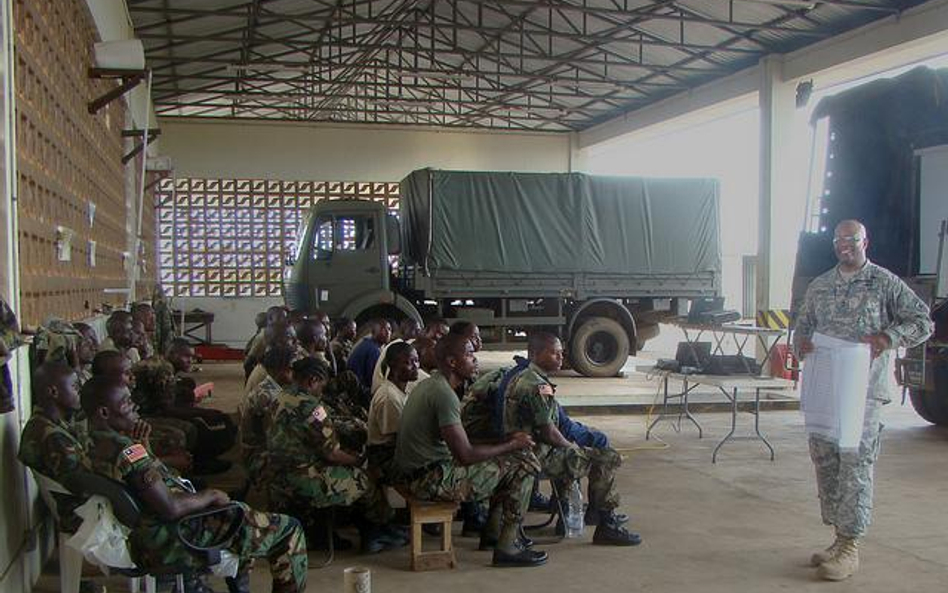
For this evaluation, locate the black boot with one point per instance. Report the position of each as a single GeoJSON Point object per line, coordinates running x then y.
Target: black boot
{"type": "Point", "coordinates": [520, 558]}
{"type": "Point", "coordinates": [239, 583]}
{"type": "Point", "coordinates": [610, 532]}
{"type": "Point", "coordinates": [475, 517]}
{"type": "Point", "coordinates": [539, 502]}
{"type": "Point", "coordinates": [592, 517]}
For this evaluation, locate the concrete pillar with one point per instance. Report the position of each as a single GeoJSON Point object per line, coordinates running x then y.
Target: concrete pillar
{"type": "Point", "coordinates": [779, 206]}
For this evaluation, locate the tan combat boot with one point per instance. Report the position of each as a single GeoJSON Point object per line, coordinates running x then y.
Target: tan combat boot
{"type": "Point", "coordinates": [842, 565]}
{"type": "Point", "coordinates": [823, 555]}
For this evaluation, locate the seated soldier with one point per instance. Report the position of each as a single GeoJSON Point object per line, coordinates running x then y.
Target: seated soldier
{"type": "Point", "coordinates": [427, 363]}
{"type": "Point", "coordinates": [437, 461]}
{"type": "Point", "coordinates": [155, 388]}
{"type": "Point", "coordinates": [256, 410]}
{"type": "Point", "coordinates": [174, 440]}
{"type": "Point", "coordinates": [54, 340]}
{"type": "Point", "coordinates": [86, 348]}
{"type": "Point", "coordinates": [260, 321]}
{"type": "Point", "coordinates": [524, 401]}
{"type": "Point", "coordinates": [144, 322]}
{"type": "Point", "coordinates": [343, 341]}
{"type": "Point", "coordinates": [54, 439]}
{"type": "Point", "coordinates": [278, 334]}
{"type": "Point", "coordinates": [275, 315]}
{"type": "Point", "coordinates": [436, 328]}
{"type": "Point", "coordinates": [120, 336]}
{"type": "Point", "coordinates": [308, 465]}
{"type": "Point", "coordinates": [366, 353]}
{"type": "Point", "coordinates": [399, 367]}
{"type": "Point", "coordinates": [165, 498]}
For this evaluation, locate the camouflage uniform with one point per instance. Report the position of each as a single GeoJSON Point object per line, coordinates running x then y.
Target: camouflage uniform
{"type": "Point", "coordinates": [423, 460]}
{"type": "Point", "coordinates": [255, 414]}
{"type": "Point", "coordinates": [164, 322]}
{"type": "Point", "coordinates": [300, 435]}
{"type": "Point", "coordinates": [341, 349]}
{"type": "Point", "coordinates": [529, 405]}
{"type": "Point", "coordinates": [154, 544]}
{"type": "Point", "coordinates": [56, 449]}
{"type": "Point", "coordinates": [872, 300]}
{"type": "Point", "coordinates": [57, 340]}
{"type": "Point", "coordinates": [9, 341]}
{"type": "Point", "coordinates": [350, 419]}
{"type": "Point", "coordinates": [153, 378]}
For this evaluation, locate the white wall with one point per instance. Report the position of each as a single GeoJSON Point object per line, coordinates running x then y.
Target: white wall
{"type": "Point", "coordinates": [347, 153]}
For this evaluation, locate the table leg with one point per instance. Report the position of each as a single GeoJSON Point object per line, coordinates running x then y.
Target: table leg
{"type": "Point", "coordinates": [714, 456]}
{"type": "Point", "coordinates": [683, 409]}
{"type": "Point", "coordinates": [757, 423]}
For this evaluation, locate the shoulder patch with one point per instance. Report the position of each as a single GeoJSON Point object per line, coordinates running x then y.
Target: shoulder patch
{"type": "Point", "coordinates": [318, 415]}
{"type": "Point", "coordinates": [545, 389]}
{"type": "Point", "coordinates": [135, 453]}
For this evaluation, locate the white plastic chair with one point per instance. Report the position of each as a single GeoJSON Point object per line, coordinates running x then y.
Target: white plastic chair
{"type": "Point", "coordinates": [70, 559]}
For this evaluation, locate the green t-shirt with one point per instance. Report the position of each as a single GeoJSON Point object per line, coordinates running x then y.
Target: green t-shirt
{"type": "Point", "coordinates": [431, 405]}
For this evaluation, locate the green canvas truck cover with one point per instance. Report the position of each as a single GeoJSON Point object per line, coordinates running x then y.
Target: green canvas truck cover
{"type": "Point", "coordinates": [559, 222]}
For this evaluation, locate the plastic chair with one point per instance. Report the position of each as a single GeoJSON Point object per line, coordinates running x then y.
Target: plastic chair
{"type": "Point", "coordinates": [70, 559]}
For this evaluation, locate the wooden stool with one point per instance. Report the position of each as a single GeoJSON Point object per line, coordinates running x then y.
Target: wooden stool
{"type": "Point", "coordinates": [423, 512]}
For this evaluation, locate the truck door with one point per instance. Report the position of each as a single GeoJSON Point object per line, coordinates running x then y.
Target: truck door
{"type": "Point", "coordinates": [347, 261]}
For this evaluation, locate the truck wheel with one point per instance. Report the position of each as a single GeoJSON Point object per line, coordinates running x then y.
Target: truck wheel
{"type": "Point", "coordinates": [932, 404]}
{"type": "Point", "coordinates": [599, 348]}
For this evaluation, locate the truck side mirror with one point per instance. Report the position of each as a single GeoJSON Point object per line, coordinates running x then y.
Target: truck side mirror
{"type": "Point", "coordinates": [393, 234]}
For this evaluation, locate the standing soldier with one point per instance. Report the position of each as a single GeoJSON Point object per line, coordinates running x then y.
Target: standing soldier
{"type": "Point", "coordinates": [856, 301]}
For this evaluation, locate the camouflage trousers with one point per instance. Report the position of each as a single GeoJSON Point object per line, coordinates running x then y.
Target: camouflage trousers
{"type": "Point", "coordinates": [303, 490]}
{"type": "Point", "coordinates": [564, 465]}
{"type": "Point", "coordinates": [844, 478]}
{"type": "Point", "coordinates": [506, 481]}
{"type": "Point", "coordinates": [278, 538]}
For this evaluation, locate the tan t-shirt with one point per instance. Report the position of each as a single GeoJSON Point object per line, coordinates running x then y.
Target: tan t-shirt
{"type": "Point", "coordinates": [385, 413]}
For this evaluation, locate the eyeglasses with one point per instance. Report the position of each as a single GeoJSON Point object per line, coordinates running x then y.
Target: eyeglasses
{"type": "Point", "coordinates": [851, 240]}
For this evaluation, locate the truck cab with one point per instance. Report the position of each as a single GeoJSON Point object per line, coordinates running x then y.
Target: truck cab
{"type": "Point", "coordinates": [342, 257]}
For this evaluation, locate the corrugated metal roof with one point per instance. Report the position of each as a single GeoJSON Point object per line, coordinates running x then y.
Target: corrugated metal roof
{"type": "Point", "coordinates": [554, 65]}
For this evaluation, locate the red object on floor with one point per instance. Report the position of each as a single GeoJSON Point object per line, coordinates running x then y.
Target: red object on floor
{"type": "Point", "coordinates": [780, 359]}
{"type": "Point", "coordinates": [207, 352]}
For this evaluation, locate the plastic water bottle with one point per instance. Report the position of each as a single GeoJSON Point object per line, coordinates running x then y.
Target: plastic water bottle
{"type": "Point", "coordinates": [575, 521]}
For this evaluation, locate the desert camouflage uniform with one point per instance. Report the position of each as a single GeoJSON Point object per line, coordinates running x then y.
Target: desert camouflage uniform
{"type": "Point", "coordinates": [530, 404]}
{"type": "Point", "coordinates": [255, 414]}
{"type": "Point", "coordinates": [154, 543]}
{"type": "Point", "coordinates": [506, 480]}
{"type": "Point", "coordinates": [56, 449]}
{"type": "Point", "coordinates": [871, 301]}
{"type": "Point", "coordinates": [300, 434]}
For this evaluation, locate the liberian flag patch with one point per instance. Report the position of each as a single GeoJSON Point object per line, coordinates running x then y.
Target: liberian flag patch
{"type": "Point", "coordinates": [134, 453]}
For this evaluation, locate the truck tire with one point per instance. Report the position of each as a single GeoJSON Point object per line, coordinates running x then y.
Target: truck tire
{"type": "Point", "coordinates": [932, 404]}
{"type": "Point", "coordinates": [599, 348]}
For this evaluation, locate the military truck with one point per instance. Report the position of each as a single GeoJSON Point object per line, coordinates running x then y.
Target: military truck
{"type": "Point", "coordinates": [882, 156]}
{"type": "Point", "coordinates": [600, 261]}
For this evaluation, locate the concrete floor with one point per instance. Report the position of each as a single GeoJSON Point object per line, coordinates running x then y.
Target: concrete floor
{"type": "Point", "coordinates": [742, 524]}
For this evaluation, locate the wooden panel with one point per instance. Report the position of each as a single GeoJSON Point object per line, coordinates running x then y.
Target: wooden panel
{"type": "Point", "coordinates": [65, 159]}
{"type": "Point", "coordinates": [231, 237]}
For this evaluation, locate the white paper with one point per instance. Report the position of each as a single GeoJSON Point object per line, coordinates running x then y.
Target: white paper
{"type": "Point", "coordinates": [834, 389]}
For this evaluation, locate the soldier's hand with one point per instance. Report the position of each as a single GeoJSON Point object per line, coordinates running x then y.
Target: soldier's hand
{"type": "Point", "coordinates": [141, 431]}
{"type": "Point", "coordinates": [804, 348]}
{"type": "Point", "coordinates": [218, 498]}
{"type": "Point", "coordinates": [878, 343]}
{"type": "Point", "coordinates": [521, 440]}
